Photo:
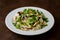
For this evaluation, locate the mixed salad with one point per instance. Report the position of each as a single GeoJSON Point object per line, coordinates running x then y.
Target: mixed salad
{"type": "Point", "coordinates": [29, 19]}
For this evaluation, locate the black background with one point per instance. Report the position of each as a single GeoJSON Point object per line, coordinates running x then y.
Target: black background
{"type": "Point", "coordinates": [52, 6]}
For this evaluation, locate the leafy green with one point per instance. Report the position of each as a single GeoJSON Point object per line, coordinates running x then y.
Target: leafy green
{"type": "Point", "coordinates": [42, 26]}
{"type": "Point", "coordinates": [18, 19]}
{"type": "Point", "coordinates": [14, 24]}
{"type": "Point", "coordinates": [31, 21]}
{"type": "Point", "coordinates": [38, 12]}
{"type": "Point", "coordinates": [25, 11]}
{"type": "Point", "coordinates": [17, 26]}
{"type": "Point", "coordinates": [24, 23]}
{"type": "Point", "coordinates": [44, 18]}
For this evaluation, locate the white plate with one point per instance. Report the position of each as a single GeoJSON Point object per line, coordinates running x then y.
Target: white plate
{"type": "Point", "coordinates": [10, 26]}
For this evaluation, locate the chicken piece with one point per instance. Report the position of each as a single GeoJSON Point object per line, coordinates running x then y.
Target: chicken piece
{"type": "Point", "coordinates": [21, 28]}
{"type": "Point", "coordinates": [13, 20]}
{"type": "Point", "coordinates": [44, 23]}
{"type": "Point", "coordinates": [16, 15]}
{"type": "Point", "coordinates": [40, 16]}
{"type": "Point", "coordinates": [35, 23]}
{"type": "Point", "coordinates": [29, 26]}
{"type": "Point", "coordinates": [41, 20]}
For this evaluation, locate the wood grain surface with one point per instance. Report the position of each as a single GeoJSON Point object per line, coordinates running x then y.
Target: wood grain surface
{"type": "Point", "coordinates": [52, 6]}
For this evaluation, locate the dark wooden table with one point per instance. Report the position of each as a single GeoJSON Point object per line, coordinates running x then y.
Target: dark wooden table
{"type": "Point", "coordinates": [51, 5]}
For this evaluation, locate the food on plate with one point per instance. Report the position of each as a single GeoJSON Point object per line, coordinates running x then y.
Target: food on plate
{"type": "Point", "coordinates": [29, 19]}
